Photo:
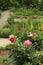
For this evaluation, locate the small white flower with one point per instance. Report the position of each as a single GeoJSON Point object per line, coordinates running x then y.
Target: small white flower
{"type": "Point", "coordinates": [30, 34]}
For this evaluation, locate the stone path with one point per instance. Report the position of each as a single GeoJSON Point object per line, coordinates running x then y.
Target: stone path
{"type": "Point", "coordinates": [4, 42]}
{"type": "Point", "coordinates": [4, 17]}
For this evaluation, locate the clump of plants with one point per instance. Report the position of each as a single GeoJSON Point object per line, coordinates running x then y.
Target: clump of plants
{"type": "Point", "coordinates": [5, 32]}
{"type": "Point", "coordinates": [24, 53]}
{"type": "Point", "coordinates": [27, 39]}
{"type": "Point", "coordinates": [27, 49]}
{"type": "Point", "coordinates": [28, 44]}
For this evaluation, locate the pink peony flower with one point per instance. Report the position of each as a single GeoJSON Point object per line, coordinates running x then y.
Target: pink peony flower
{"type": "Point", "coordinates": [28, 42]}
{"type": "Point", "coordinates": [11, 38]}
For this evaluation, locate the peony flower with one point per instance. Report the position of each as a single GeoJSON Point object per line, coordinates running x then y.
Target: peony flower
{"type": "Point", "coordinates": [18, 28]}
{"type": "Point", "coordinates": [30, 34]}
{"type": "Point", "coordinates": [11, 38]}
{"type": "Point", "coordinates": [28, 42]}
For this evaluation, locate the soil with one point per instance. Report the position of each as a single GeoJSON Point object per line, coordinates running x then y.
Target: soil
{"type": "Point", "coordinates": [4, 52]}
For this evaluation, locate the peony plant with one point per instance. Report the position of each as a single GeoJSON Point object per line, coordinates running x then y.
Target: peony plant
{"type": "Point", "coordinates": [28, 51]}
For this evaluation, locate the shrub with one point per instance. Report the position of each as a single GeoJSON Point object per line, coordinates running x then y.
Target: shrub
{"type": "Point", "coordinates": [11, 20]}
{"type": "Point", "coordinates": [22, 54]}
{"type": "Point", "coordinates": [4, 4]}
{"type": "Point", "coordinates": [6, 26]}
{"type": "Point", "coordinates": [26, 12]}
{"type": "Point", "coordinates": [5, 32]}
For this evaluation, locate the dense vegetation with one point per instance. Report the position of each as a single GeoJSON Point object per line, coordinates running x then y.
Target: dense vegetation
{"type": "Point", "coordinates": [24, 28]}
{"type": "Point", "coordinates": [6, 4]}
{"type": "Point", "coordinates": [20, 53]}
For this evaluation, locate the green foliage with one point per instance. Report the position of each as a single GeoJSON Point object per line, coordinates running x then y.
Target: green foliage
{"type": "Point", "coordinates": [7, 4]}
{"type": "Point", "coordinates": [26, 12]}
{"type": "Point", "coordinates": [41, 5]}
{"type": "Point", "coordinates": [25, 25]}
{"type": "Point", "coordinates": [6, 26]}
{"type": "Point", "coordinates": [5, 32]}
{"type": "Point", "coordinates": [5, 60]}
{"type": "Point", "coordinates": [11, 20]}
{"type": "Point", "coordinates": [14, 3]}
{"type": "Point", "coordinates": [4, 4]}
{"type": "Point", "coordinates": [22, 54]}
{"type": "Point", "coordinates": [28, 63]}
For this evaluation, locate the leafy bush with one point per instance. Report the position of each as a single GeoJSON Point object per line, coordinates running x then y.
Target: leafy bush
{"type": "Point", "coordinates": [4, 4]}
{"type": "Point", "coordinates": [6, 26]}
{"type": "Point", "coordinates": [26, 12]}
{"type": "Point", "coordinates": [5, 32]}
{"type": "Point", "coordinates": [11, 20]}
{"type": "Point", "coordinates": [22, 54]}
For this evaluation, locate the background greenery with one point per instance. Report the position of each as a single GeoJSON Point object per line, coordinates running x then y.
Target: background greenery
{"type": "Point", "coordinates": [6, 4]}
